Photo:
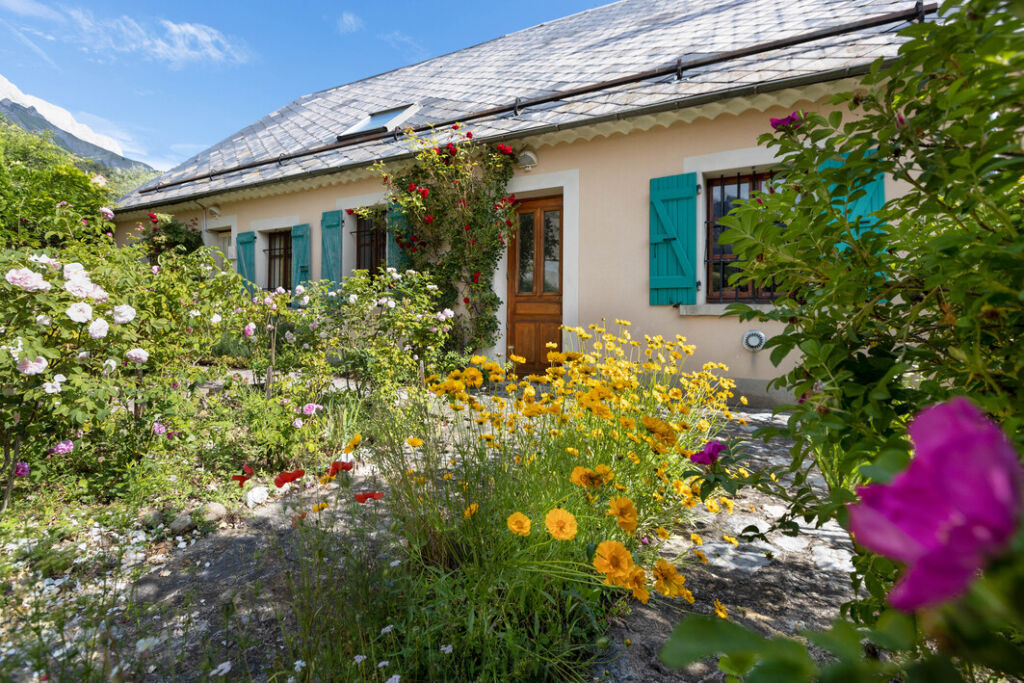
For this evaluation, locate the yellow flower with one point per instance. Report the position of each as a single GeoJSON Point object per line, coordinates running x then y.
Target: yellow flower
{"type": "Point", "coordinates": [516, 359]}
{"type": "Point", "coordinates": [472, 377]}
{"type": "Point", "coordinates": [636, 581]}
{"type": "Point", "coordinates": [727, 503]}
{"type": "Point", "coordinates": [415, 442]}
{"type": "Point", "coordinates": [471, 510]}
{"type": "Point", "coordinates": [572, 451]}
{"type": "Point", "coordinates": [731, 540]}
{"type": "Point", "coordinates": [561, 524]}
{"type": "Point", "coordinates": [743, 400]}
{"type": "Point", "coordinates": [662, 532]}
{"type": "Point", "coordinates": [624, 511]}
{"type": "Point", "coordinates": [319, 506]}
{"type": "Point", "coordinates": [667, 579]}
{"type": "Point", "coordinates": [701, 556]}
{"type": "Point", "coordinates": [711, 505]}
{"type": "Point", "coordinates": [696, 539]}
{"type": "Point", "coordinates": [720, 610]}
{"type": "Point", "coordinates": [519, 524]}
{"type": "Point", "coordinates": [614, 561]}
{"type": "Point", "coordinates": [585, 477]}
{"type": "Point", "coordinates": [353, 442]}
{"type": "Point", "coordinates": [478, 360]}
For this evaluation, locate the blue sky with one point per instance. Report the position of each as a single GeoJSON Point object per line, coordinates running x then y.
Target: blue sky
{"type": "Point", "coordinates": [167, 80]}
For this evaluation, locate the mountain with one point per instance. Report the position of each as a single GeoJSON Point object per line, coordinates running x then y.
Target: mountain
{"type": "Point", "coordinates": [35, 114]}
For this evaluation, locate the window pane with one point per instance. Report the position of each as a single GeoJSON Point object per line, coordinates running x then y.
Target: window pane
{"type": "Point", "coordinates": [526, 249]}
{"type": "Point", "coordinates": [552, 251]}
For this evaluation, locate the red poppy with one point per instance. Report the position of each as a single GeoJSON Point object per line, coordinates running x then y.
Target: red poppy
{"type": "Point", "coordinates": [466, 228]}
{"type": "Point", "coordinates": [428, 219]}
{"type": "Point", "coordinates": [242, 478]}
{"type": "Point", "coordinates": [336, 465]}
{"type": "Point", "coordinates": [363, 497]}
{"type": "Point", "coordinates": [350, 211]}
{"type": "Point", "coordinates": [296, 519]}
{"type": "Point", "coordinates": [476, 277]}
{"type": "Point", "coordinates": [412, 187]}
{"type": "Point", "coordinates": [288, 477]}
{"type": "Point", "coordinates": [424, 192]}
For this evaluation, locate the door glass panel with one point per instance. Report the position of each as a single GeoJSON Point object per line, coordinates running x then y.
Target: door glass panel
{"type": "Point", "coordinates": [526, 253]}
{"type": "Point", "coordinates": [552, 251]}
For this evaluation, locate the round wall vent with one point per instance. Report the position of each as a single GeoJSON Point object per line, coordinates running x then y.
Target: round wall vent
{"type": "Point", "coordinates": [754, 340]}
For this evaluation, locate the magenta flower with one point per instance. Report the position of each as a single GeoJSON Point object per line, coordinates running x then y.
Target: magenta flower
{"type": "Point", "coordinates": [65, 446]}
{"type": "Point", "coordinates": [957, 504]}
{"type": "Point", "coordinates": [709, 454]}
{"type": "Point", "coordinates": [311, 408]}
{"type": "Point", "coordinates": [791, 122]}
{"type": "Point", "coordinates": [159, 428]}
{"type": "Point", "coordinates": [21, 469]}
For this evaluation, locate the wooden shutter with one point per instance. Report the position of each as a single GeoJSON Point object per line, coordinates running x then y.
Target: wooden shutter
{"type": "Point", "coordinates": [673, 227]}
{"type": "Point", "coordinates": [330, 246]}
{"type": "Point", "coordinates": [245, 255]}
{"type": "Point", "coordinates": [397, 227]}
{"type": "Point", "coordinates": [300, 254]}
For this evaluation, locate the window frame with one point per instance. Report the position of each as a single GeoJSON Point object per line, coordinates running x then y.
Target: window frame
{"type": "Point", "coordinates": [371, 236]}
{"type": "Point", "coordinates": [754, 180]}
{"type": "Point", "coordinates": [279, 248]}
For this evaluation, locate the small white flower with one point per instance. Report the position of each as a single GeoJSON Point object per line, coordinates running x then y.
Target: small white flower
{"type": "Point", "coordinates": [432, 288]}
{"type": "Point", "coordinates": [387, 629]}
{"type": "Point", "coordinates": [446, 649]}
{"type": "Point", "coordinates": [51, 387]}
{"type": "Point", "coordinates": [222, 669]}
{"type": "Point", "coordinates": [395, 563]}
{"type": "Point", "coordinates": [383, 664]}
{"type": "Point", "coordinates": [299, 665]}
{"type": "Point", "coordinates": [145, 645]}
{"type": "Point", "coordinates": [289, 337]}
{"type": "Point", "coordinates": [109, 364]}
{"type": "Point", "coordinates": [352, 298]}
{"type": "Point", "coordinates": [43, 320]}
{"type": "Point", "coordinates": [194, 313]}
{"type": "Point", "coordinates": [394, 679]}
{"type": "Point", "coordinates": [83, 355]}
{"type": "Point", "coordinates": [43, 258]}
{"type": "Point", "coordinates": [123, 314]}
{"type": "Point", "coordinates": [391, 303]}
{"type": "Point", "coordinates": [359, 659]}
{"type": "Point", "coordinates": [98, 328]}
{"type": "Point", "coordinates": [58, 378]}
{"type": "Point", "coordinates": [215, 318]}
{"type": "Point", "coordinates": [79, 312]}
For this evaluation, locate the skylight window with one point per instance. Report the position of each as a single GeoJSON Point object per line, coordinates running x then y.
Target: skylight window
{"type": "Point", "coordinates": [380, 121]}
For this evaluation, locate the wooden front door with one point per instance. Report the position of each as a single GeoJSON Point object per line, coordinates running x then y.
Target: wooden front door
{"type": "Point", "coordinates": [535, 282]}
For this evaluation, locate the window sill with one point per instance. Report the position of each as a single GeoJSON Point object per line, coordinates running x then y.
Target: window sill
{"type": "Point", "coordinates": [720, 309]}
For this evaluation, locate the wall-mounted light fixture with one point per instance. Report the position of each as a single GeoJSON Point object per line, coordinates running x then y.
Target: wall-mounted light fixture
{"type": "Point", "coordinates": [214, 210]}
{"type": "Point", "coordinates": [527, 159]}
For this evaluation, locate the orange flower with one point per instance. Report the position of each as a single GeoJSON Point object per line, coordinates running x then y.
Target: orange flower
{"type": "Point", "coordinates": [519, 524]}
{"type": "Point", "coordinates": [586, 477]}
{"type": "Point", "coordinates": [667, 579]}
{"type": "Point", "coordinates": [623, 510]}
{"type": "Point", "coordinates": [561, 524]}
{"type": "Point", "coordinates": [636, 581]}
{"type": "Point", "coordinates": [614, 561]}
{"type": "Point", "coordinates": [471, 510]}
{"type": "Point", "coordinates": [414, 441]}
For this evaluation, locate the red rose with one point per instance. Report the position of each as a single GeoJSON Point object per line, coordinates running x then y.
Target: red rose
{"type": "Point", "coordinates": [437, 150]}
{"type": "Point", "coordinates": [465, 299]}
{"type": "Point", "coordinates": [508, 222]}
{"type": "Point", "coordinates": [412, 187]}
{"type": "Point", "coordinates": [476, 277]}
{"type": "Point", "coordinates": [469, 135]}
{"type": "Point", "coordinates": [424, 192]}
{"type": "Point", "coordinates": [428, 219]}
{"type": "Point", "coordinates": [350, 211]}
{"type": "Point", "coordinates": [466, 228]}
{"type": "Point", "coordinates": [455, 127]}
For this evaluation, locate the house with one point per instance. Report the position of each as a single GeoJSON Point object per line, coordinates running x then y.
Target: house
{"type": "Point", "coordinates": [638, 123]}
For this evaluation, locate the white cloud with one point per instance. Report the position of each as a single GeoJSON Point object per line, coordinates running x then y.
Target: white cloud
{"type": "Point", "coordinates": [31, 8]}
{"type": "Point", "coordinates": [405, 44]}
{"type": "Point", "coordinates": [349, 23]}
{"type": "Point", "coordinates": [174, 44]}
{"type": "Point", "coordinates": [28, 43]}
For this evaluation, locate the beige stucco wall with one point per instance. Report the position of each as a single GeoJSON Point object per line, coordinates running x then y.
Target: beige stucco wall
{"type": "Point", "coordinates": [605, 183]}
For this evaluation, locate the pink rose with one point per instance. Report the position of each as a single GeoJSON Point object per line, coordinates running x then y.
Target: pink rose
{"type": "Point", "coordinates": [27, 279]}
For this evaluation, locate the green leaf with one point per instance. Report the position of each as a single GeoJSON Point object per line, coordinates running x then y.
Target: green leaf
{"type": "Point", "coordinates": [700, 637]}
{"type": "Point", "coordinates": [894, 631]}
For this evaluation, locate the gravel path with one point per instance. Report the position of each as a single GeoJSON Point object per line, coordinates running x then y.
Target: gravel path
{"type": "Point", "coordinates": [778, 587]}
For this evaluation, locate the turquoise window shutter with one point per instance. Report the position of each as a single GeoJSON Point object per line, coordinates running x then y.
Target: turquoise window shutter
{"type": "Point", "coordinates": [245, 255]}
{"type": "Point", "coordinates": [300, 254]}
{"type": "Point", "coordinates": [397, 227]}
{"type": "Point", "coordinates": [673, 229]}
{"type": "Point", "coordinates": [858, 210]}
{"type": "Point", "coordinates": [330, 246]}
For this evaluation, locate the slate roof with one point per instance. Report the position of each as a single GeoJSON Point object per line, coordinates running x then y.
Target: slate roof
{"type": "Point", "coordinates": [583, 49]}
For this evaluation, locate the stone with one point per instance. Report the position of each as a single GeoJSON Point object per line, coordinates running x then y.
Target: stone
{"type": "Point", "coordinates": [214, 512]}
{"type": "Point", "coordinates": [790, 544]}
{"type": "Point", "coordinates": [832, 559]}
{"type": "Point", "coordinates": [182, 523]}
{"type": "Point", "coordinates": [150, 517]}
{"type": "Point", "coordinates": [257, 496]}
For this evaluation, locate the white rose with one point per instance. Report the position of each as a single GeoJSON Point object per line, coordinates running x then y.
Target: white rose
{"type": "Point", "coordinates": [43, 320]}
{"type": "Point", "coordinates": [123, 314]}
{"type": "Point", "coordinates": [109, 364]}
{"type": "Point", "coordinates": [97, 293]}
{"type": "Point", "coordinates": [32, 367]}
{"type": "Point", "coordinates": [80, 287]}
{"type": "Point", "coordinates": [51, 387]}
{"type": "Point", "coordinates": [194, 313]}
{"type": "Point", "coordinates": [215, 319]}
{"type": "Point", "coordinates": [99, 328]}
{"type": "Point", "coordinates": [74, 270]}
{"type": "Point", "coordinates": [137, 355]}
{"type": "Point", "coordinates": [80, 312]}
{"type": "Point", "coordinates": [353, 298]}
